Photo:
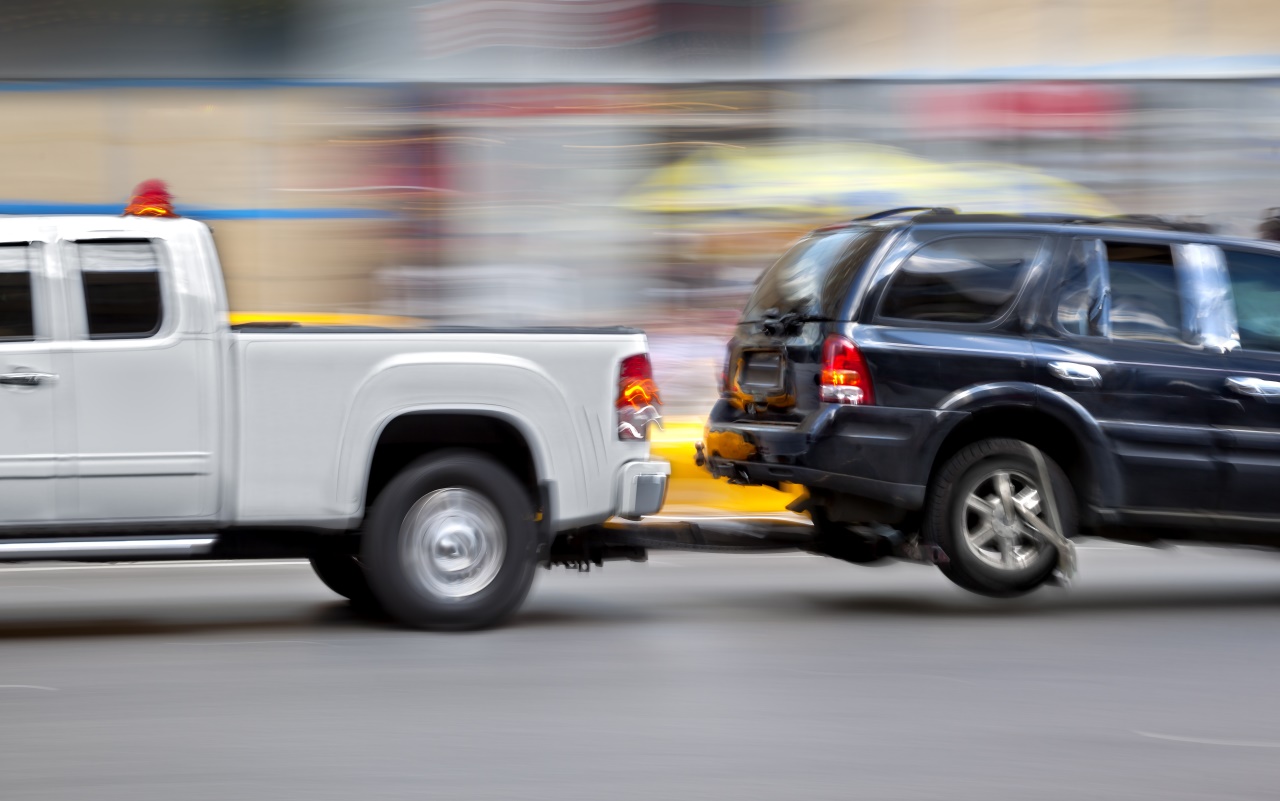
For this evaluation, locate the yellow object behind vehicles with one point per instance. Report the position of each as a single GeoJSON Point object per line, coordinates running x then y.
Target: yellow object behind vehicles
{"type": "Point", "coordinates": [326, 319]}
{"type": "Point", "coordinates": [693, 491]}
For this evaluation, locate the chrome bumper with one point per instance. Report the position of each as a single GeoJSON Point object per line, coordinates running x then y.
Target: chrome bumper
{"type": "Point", "coordinates": [642, 488]}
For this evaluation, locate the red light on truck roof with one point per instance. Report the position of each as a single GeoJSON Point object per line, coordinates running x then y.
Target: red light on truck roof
{"type": "Point", "coordinates": [151, 199]}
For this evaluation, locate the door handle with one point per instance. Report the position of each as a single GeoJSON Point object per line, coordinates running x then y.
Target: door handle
{"type": "Point", "coordinates": [1254, 387]}
{"type": "Point", "coordinates": [1081, 374]}
{"type": "Point", "coordinates": [27, 379]}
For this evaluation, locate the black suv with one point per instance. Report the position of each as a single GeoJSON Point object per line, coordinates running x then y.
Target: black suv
{"type": "Point", "coordinates": [983, 383]}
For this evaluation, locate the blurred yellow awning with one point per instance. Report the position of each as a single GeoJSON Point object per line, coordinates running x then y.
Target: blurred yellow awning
{"type": "Point", "coordinates": [830, 180]}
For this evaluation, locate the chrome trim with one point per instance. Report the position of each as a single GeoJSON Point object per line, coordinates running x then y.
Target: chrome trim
{"type": "Point", "coordinates": [27, 379]}
{"type": "Point", "coordinates": [23, 550]}
{"type": "Point", "coordinates": [1253, 387]}
{"type": "Point", "coordinates": [1082, 374]}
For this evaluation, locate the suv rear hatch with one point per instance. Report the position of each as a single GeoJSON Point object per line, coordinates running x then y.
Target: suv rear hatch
{"type": "Point", "coordinates": [774, 359]}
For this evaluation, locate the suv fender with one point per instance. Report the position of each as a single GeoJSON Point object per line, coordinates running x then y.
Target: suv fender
{"type": "Point", "coordinates": [1107, 489]}
{"type": "Point", "coordinates": [1104, 486]}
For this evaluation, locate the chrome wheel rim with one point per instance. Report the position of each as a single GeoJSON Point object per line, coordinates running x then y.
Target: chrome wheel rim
{"type": "Point", "coordinates": [454, 542]}
{"type": "Point", "coordinates": [1001, 520]}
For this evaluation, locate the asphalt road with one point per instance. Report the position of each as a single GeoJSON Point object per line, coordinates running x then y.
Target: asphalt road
{"type": "Point", "coordinates": [693, 676]}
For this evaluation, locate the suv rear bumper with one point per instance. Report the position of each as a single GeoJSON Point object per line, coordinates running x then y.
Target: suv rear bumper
{"type": "Point", "coordinates": [878, 453]}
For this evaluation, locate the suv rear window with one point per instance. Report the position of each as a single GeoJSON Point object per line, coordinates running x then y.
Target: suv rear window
{"type": "Point", "coordinates": [813, 279]}
{"type": "Point", "coordinates": [959, 280]}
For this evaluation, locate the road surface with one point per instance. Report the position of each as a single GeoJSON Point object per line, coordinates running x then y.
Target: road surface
{"type": "Point", "coordinates": [1157, 676]}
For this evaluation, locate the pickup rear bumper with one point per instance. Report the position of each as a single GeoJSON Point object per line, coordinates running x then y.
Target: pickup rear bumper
{"type": "Point", "coordinates": [642, 488]}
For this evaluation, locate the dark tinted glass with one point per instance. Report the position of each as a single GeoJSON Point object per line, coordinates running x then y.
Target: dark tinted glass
{"type": "Point", "coordinates": [1255, 283]}
{"type": "Point", "coordinates": [1144, 293]}
{"type": "Point", "coordinates": [813, 278]}
{"type": "Point", "coordinates": [16, 319]}
{"type": "Point", "coordinates": [959, 280]}
{"type": "Point", "coordinates": [121, 289]}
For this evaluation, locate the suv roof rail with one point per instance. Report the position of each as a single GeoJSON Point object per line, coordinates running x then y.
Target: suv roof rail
{"type": "Point", "coordinates": [1165, 223]}
{"type": "Point", "coordinates": [1121, 220]}
{"type": "Point", "coordinates": [881, 215]}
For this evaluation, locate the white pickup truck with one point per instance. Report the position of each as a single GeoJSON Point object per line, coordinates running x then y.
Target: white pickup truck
{"type": "Point", "coordinates": [428, 472]}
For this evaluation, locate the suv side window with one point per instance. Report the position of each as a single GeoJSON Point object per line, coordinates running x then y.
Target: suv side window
{"type": "Point", "coordinates": [1255, 284]}
{"type": "Point", "coordinates": [959, 279]}
{"type": "Point", "coordinates": [121, 281]}
{"type": "Point", "coordinates": [17, 317]}
{"type": "Point", "coordinates": [1145, 304]}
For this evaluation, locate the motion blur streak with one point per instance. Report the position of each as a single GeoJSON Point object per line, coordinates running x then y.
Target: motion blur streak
{"type": "Point", "coordinates": [632, 162]}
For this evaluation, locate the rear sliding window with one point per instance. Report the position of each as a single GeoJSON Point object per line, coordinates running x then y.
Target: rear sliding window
{"type": "Point", "coordinates": [959, 280]}
{"type": "Point", "coordinates": [813, 278]}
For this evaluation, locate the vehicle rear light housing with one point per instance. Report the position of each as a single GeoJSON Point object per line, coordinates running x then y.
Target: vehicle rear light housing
{"type": "Point", "coordinates": [638, 402]}
{"type": "Point", "coordinates": [845, 378]}
{"type": "Point", "coordinates": [726, 380]}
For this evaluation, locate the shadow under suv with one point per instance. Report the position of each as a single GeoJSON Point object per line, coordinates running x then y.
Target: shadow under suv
{"type": "Point", "coordinates": [985, 382]}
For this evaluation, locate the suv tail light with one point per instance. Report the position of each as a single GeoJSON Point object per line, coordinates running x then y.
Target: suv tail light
{"type": "Point", "coordinates": [638, 399]}
{"type": "Point", "coordinates": [845, 377]}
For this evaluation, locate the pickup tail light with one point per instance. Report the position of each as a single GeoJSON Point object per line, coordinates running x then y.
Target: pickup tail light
{"type": "Point", "coordinates": [638, 402]}
{"type": "Point", "coordinates": [845, 377]}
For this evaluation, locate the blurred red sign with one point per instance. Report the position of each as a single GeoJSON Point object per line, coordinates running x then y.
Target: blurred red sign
{"type": "Point", "coordinates": [994, 109]}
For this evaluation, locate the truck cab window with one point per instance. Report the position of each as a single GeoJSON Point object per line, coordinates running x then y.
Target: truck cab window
{"type": "Point", "coordinates": [17, 321]}
{"type": "Point", "coordinates": [121, 280]}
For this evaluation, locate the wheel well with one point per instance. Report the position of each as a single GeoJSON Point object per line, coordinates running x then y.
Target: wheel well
{"type": "Point", "coordinates": [1036, 428]}
{"type": "Point", "coordinates": [414, 435]}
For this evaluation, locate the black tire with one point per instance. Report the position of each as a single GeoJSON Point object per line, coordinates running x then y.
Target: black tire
{"type": "Point", "coordinates": [460, 506]}
{"type": "Point", "coordinates": [1017, 562]}
{"type": "Point", "coordinates": [342, 573]}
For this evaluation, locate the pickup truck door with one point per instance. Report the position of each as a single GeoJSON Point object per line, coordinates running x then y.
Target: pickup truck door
{"type": "Point", "coordinates": [144, 379]}
{"type": "Point", "coordinates": [29, 464]}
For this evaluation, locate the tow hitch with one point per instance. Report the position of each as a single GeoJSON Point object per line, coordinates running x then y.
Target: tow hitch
{"type": "Point", "coordinates": [581, 548]}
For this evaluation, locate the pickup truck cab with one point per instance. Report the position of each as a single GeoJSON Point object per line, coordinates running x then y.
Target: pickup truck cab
{"type": "Point", "coordinates": [428, 472]}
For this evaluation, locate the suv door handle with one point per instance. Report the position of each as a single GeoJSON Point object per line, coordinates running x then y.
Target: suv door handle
{"type": "Point", "coordinates": [26, 379]}
{"type": "Point", "coordinates": [1081, 374]}
{"type": "Point", "coordinates": [1254, 387]}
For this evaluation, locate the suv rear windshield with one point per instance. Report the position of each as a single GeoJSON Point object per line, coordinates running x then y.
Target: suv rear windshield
{"type": "Point", "coordinates": [813, 278]}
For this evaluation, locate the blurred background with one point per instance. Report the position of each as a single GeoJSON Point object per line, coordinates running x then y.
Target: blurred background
{"type": "Point", "coordinates": [628, 162]}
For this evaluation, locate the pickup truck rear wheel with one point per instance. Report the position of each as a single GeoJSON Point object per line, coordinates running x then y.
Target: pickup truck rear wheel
{"type": "Point", "coordinates": [985, 509]}
{"type": "Point", "coordinates": [451, 544]}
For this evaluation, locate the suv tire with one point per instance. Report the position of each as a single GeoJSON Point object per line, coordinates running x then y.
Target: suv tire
{"type": "Point", "coordinates": [978, 509]}
{"type": "Point", "coordinates": [451, 543]}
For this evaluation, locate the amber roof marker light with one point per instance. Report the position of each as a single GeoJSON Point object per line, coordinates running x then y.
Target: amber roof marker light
{"type": "Point", "coordinates": [151, 198]}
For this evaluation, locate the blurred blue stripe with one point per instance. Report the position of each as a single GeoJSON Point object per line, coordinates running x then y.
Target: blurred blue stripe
{"type": "Point", "coordinates": [56, 85]}
{"type": "Point", "coordinates": [36, 207]}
